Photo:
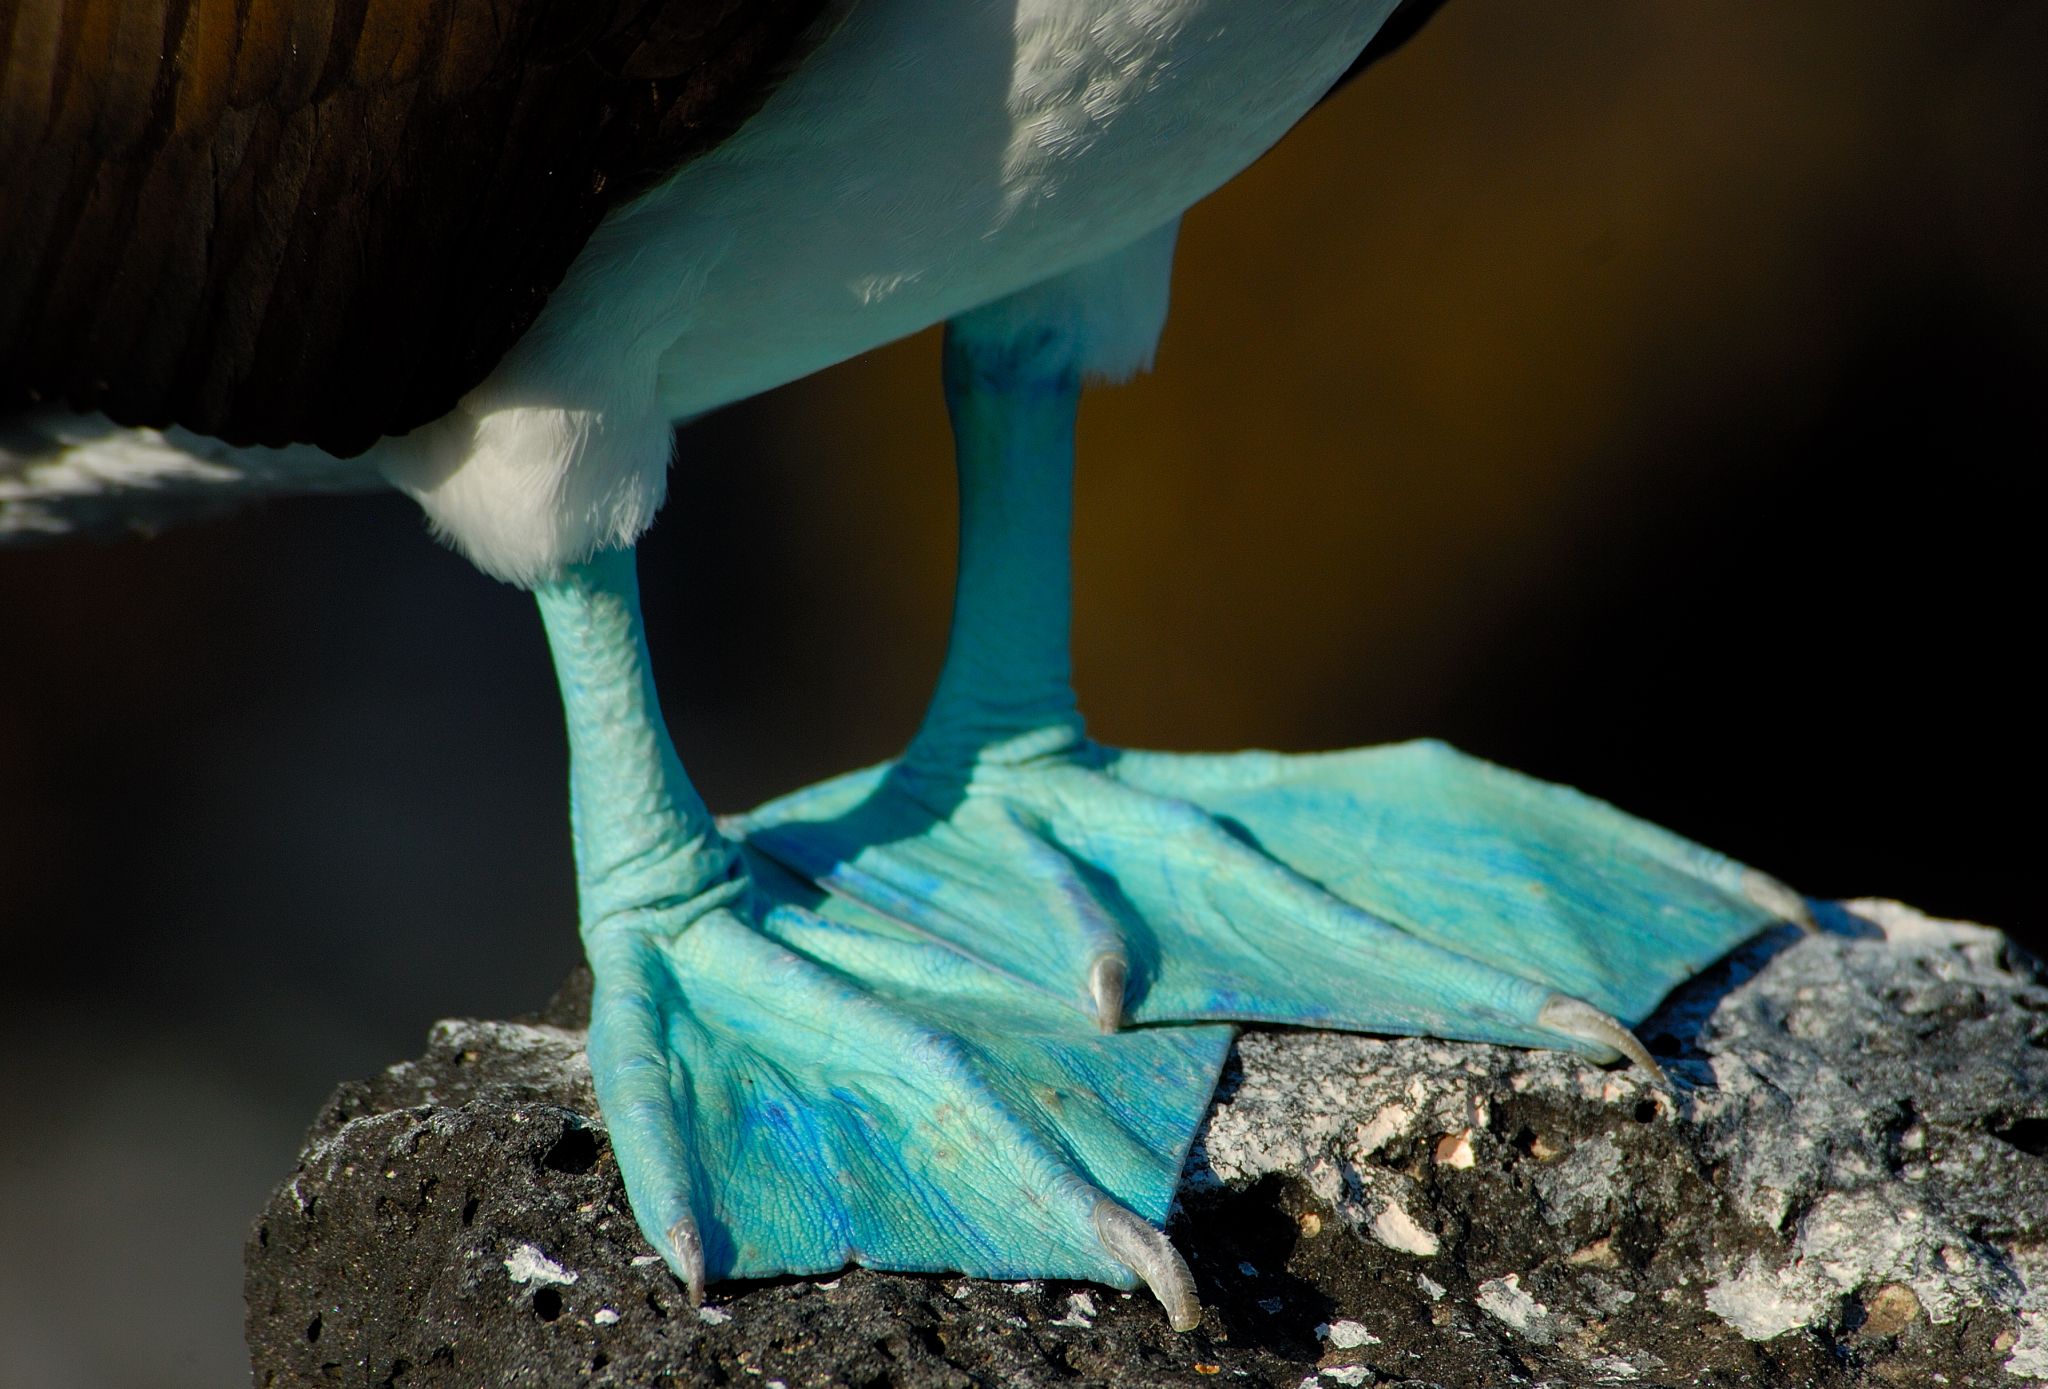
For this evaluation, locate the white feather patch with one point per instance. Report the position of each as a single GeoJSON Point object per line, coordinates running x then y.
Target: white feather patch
{"type": "Point", "coordinates": [63, 474]}
{"type": "Point", "coordinates": [928, 158]}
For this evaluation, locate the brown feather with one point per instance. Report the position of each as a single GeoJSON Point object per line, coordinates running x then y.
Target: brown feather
{"type": "Point", "coordinates": [83, 62]}
{"type": "Point", "coordinates": [306, 44]}
{"type": "Point", "coordinates": [28, 225]}
{"type": "Point", "coordinates": [34, 29]}
{"type": "Point", "coordinates": [394, 41]}
{"type": "Point", "coordinates": [156, 340]}
{"type": "Point", "coordinates": [136, 262]}
{"type": "Point", "coordinates": [66, 301]}
{"type": "Point", "coordinates": [326, 220]}
{"type": "Point", "coordinates": [476, 36]}
{"type": "Point", "coordinates": [204, 69]}
{"type": "Point", "coordinates": [260, 51]}
{"type": "Point", "coordinates": [133, 70]}
{"type": "Point", "coordinates": [256, 221]}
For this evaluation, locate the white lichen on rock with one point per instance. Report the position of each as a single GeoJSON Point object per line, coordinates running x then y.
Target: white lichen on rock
{"type": "Point", "coordinates": [549, 1057]}
{"type": "Point", "coordinates": [1504, 1300]}
{"type": "Point", "coordinates": [530, 1264]}
{"type": "Point", "coordinates": [1346, 1335]}
{"type": "Point", "coordinates": [1588, 1178]}
{"type": "Point", "coordinates": [2029, 1345]}
{"type": "Point", "coordinates": [1818, 1130]}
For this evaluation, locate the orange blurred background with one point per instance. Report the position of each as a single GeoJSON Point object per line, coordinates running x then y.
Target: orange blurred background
{"type": "Point", "coordinates": [1637, 394]}
{"type": "Point", "coordinates": [1634, 393]}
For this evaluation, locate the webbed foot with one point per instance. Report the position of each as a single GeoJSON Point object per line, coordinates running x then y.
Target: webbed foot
{"type": "Point", "coordinates": [917, 1017]}
{"type": "Point", "coordinates": [1403, 889]}
{"type": "Point", "coordinates": [792, 1085]}
{"type": "Point", "coordinates": [790, 1094]}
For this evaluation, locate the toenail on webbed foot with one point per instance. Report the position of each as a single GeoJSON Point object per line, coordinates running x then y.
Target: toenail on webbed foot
{"type": "Point", "coordinates": [1144, 1249]}
{"type": "Point", "coordinates": [689, 1251]}
{"type": "Point", "coordinates": [1781, 901]}
{"type": "Point", "coordinates": [1106, 979]}
{"type": "Point", "coordinates": [1580, 1020]}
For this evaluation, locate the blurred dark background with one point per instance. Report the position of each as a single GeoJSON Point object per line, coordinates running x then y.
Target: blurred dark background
{"type": "Point", "coordinates": [1636, 394]}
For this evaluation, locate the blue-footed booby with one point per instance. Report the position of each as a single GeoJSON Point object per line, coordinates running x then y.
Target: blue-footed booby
{"type": "Point", "coordinates": [962, 1011]}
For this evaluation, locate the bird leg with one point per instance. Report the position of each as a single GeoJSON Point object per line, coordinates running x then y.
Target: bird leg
{"type": "Point", "coordinates": [965, 1010]}
{"type": "Point", "coordinates": [648, 856]}
{"type": "Point", "coordinates": [1407, 889]}
{"type": "Point", "coordinates": [1006, 691]}
{"type": "Point", "coordinates": [791, 1084]}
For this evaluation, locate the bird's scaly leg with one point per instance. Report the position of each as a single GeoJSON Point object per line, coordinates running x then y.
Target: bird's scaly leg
{"type": "Point", "coordinates": [790, 1089]}
{"type": "Point", "coordinates": [649, 865]}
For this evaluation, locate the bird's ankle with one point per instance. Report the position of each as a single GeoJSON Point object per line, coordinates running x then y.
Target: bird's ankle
{"type": "Point", "coordinates": [658, 902]}
{"type": "Point", "coordinates": [955, 759]}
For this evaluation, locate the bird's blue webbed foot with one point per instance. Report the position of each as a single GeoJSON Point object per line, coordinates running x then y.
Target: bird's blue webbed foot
{"type": "Point", "coordinates": [793, 1083]}
{"type": "Point", "coordinates": [964, 1011]}
{"type": "Point", "coordinates": [1403, 889]}
{"type": "Point", "coordinates": [1406, 889]}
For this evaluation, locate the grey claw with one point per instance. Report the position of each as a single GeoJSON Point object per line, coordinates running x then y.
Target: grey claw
{"type": "Point", "coordinates": [689, 1251]}
{"type": "Point", "coordinates": [1106, 983]}
{"type": "Point", "coordinates": [1578, 1019]}
{"type": "Point", "coordinates": [1138, 1245]}
{"type": "Point", "coordinates": [1774, 897]}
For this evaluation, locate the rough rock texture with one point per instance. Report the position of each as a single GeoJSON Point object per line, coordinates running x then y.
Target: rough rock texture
{"type": "Point", "coordinates": [1847, 1184]}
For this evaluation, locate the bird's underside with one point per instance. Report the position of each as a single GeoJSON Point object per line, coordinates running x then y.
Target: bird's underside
{"type": "Point", "coordinates": [960, 1012]}
{"type": "Point", "coordinates": [322, 221]}
{"type": "Point", "coordinates": [288, 223]}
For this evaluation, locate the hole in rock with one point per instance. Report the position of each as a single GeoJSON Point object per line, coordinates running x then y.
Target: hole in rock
{"type": "Point", "coordinates": [469, 1210]}
{"type": "Point", "coordinates": [313, 1329]}
{"type": "Point", "coordinates": [1255, 1227]}
{"type": "Point", "coordinates": [599, 1361]}
{"type": "Point", "coordinates": [547, 1304]}
{"type": "Point", "coordinates": [2028, 1135]}
{"type": "Point", "coordinates": [1646, 1110]}
{"type": "Point", "coordinates": [575, 1152]}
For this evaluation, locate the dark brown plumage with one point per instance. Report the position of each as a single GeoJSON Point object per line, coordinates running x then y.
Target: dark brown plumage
{"type": "Point", "coordinates": [326, 220]}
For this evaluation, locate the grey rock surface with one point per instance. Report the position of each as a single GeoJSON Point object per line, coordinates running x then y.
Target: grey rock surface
{"type": "Point", "coordinates": [1846, 1184]}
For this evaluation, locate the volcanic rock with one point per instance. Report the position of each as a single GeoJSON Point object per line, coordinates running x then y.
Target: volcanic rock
{"type": "Point", "coordinates": [1846, 1182]}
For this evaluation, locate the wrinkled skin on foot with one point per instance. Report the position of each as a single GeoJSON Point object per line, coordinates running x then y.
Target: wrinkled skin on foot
{"type": "Point", "coordinates": [790, 1093]}
{"type": "Point", "coordinates": [889, 1042]}
{"type": "Point", "coordinates": [1403, 889]}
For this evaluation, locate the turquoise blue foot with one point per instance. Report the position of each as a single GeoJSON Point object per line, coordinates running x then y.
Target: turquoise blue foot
{"type": "Point", "coordinates": [964, 1012]}
{"type": "Point", "coordinates": [793, 1083]}
{"type": "Point", "coordinates": [788, 1093]}
{"type": "Point", "coordinates": [936, 1017]}
{"type": "Point", "coordinates": [1403, 889]}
